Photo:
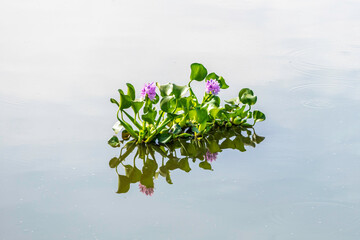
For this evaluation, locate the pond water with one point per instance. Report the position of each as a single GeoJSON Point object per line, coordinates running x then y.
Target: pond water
{"type": "Point", "coordinates": [61, 61]}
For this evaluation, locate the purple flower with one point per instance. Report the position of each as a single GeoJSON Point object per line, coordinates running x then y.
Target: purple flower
{"type": "Point", "coordinates": [150, 90]}
{"type": "Point", "coordinates": [212, 86]}
{"type": "Point", "coordinates": [210, 157]}
{"type": "Point", "coordinates": [145, 190]}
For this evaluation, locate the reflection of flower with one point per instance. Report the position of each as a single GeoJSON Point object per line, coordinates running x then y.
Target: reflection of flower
{"type": "Point", "coordinates": [147, 191]}
{"type": "Point", "coordinates": [210, 157]}
{"type": "Point", "coordinates": [212, 86]}
{"type": "Point", "coordinates": [150, 90]}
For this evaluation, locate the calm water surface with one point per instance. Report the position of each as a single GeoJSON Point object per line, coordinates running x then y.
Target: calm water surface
{"type": "Point", "coordinates": [61, 61]}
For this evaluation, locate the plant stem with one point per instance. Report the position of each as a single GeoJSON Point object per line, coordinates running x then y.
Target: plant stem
{"type": "Point", "coordinates": [191, 91]}
{"type": "Point", "coordinates": [132, 120]}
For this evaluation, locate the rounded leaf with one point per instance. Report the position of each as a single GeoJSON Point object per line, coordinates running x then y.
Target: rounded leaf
{"type": "Point", "coordinates": [258, 116]}
{"type": "Point", "coordinates": [125, 100]}
{"type": "Point", "coordinates": [179, 91]}
{"type": "Point", "coordinates": [166, 89]}
{"type": "Point", "coordinates": [168, 104]}
{"type": "Point", "coordinates": [131, 91]}
{"type": "Point", "coordinates": [198, 72]}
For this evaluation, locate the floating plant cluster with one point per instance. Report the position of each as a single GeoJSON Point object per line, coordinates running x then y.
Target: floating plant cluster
{"type": "Point", "coordinates": [159, 161]}
{"type": "Point", "coordinates": [168, 112]}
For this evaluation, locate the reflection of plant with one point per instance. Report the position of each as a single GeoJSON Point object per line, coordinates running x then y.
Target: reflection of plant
{"type": "Point", "coordinates": [210, 157]}
{"type": "Point", "coordinates": [145, 190]}
{"type": "Point", "coordinates": [176, 155]}
{"type": "Point", "coordinates": [181, 115]}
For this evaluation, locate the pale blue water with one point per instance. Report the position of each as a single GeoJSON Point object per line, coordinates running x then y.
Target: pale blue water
{"type": "Point", "coordinates": [60, 62]}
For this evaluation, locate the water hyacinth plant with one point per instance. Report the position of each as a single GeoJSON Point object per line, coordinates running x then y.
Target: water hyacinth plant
{"type": "Point", "coordinates": [167, 112]}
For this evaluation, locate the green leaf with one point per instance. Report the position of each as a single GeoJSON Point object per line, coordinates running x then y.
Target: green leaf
{"type": "Point", "coordinates": [129, 128]}
{"type": "Point", "coordinates": [124, 184]}
{"type": "Point", "coordinates": [149, 116]}
{"type": "Point", "coordinates": [198, 115]}
{"type": "Point", "coordinates": [168, 104]}
{"type": "Point", "coordinates": [186, 103]}
{"type": "Point", "coordinates": [245, 91]}
{"type": "Point", "coordinates": [114, 142]}
{"type": "Point", "coordinates": [198, 72]}
{"type": "Point", "coordinates": [156, 100]}
{"type": "Point", "coordinates": [117, 127]}
{"type": "Point", "coordinates": [233, 101]}
{"type": "Point", "coordinates": [166, 89]}
{"type": "Point", "coordinates": [212, 76]}
{"type": "Point", "coordinates": [125, 100]}
{"type": "Point", "coordinates": [179, 91]}
{"type": "Point", "coordinates": [195, 130]}
{"type": "Point", "coordinates": [222, 83]}
{"type": "Point", "coordinates": [214, 111]}
{"type": "Point", "coordinates": [176, 129]}
{"type": "Point", "coordinates": [258, 116]}
{"type": "Point", "coordinates": [114, 101]}
{"type": "Point", "coordinates": [202, 126]}
{"type": "Point", "coordinates": [205, 165]}
{"type": "Point", "coordinates": [125, 135]}
{"type": "Point", "coordinates": [137, 105]}
{"type": "Point", "coordinates": [248, 99]}
{"type": "Point", "coordinates": [148, 105]}
{"type": "Point", "coordinates": [164, 137]}
{"type": "Point", "coordinates": [131, 91]}
{"type": "Point", "coordinates": [246, 96]}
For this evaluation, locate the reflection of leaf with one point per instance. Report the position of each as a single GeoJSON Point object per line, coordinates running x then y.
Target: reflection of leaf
{"type": "Point", "coordinates": [114, 162]}
{"type": "Point", "coordinates": [135, 175]}
{"type": "Point", "coordinates": [205, 165]}
{"type": "Point", "coordinates": [184, 165]}
{"type": "Point", "coordinates": [147, 181]}
{"type": "Point", "coordinates": [124, 184]}
{"type": "Point", "coordinates": [213, 146]}
{"type": "Point", "coordinates": [168, 179]}
{"type": "Point", "coordinates": [172, 164]}
{"type": "Point", "coordinates": [257, 139]}
{"type": "Point", "coordinates": [227, 144]}
{"type": "Point", "coordinates": [149, 170]}
{"type": "Point", "coordinates": [165, 173]}
{"type": "Point", "coordinates": [128, 170]}
{"type": "Point", "coordinates": [239, 145]}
